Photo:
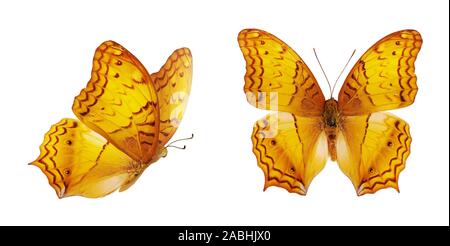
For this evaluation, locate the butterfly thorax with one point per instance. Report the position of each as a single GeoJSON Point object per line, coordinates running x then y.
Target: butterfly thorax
{"type": "Point", "coordinates": [331, 122]}
{"type": "Point", "coordinates": [137, 167]}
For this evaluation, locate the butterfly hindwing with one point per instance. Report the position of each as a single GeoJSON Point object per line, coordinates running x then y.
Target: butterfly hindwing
{"type": "Point", "coordinates": [276, 77]}
{"type": "Point", "coordinates": [290, 150]}
{"type": "Point", "coordinates": [173, 85]}
{"type": "Point", "coordinates": [120, 102]}
{"type": "Point", "coordinates": [384, 77]}
{"type": "Point", "coordinates": [372, 150]}
{"type": "Point", "coordinates": [78, 161]}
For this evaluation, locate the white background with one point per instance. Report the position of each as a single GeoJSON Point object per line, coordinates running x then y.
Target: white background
{"type": "Point", "coordinates": [47, 49]}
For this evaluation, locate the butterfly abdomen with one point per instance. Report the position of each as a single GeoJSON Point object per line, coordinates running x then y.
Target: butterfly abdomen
{"type": "Point", "coordinates": [331, 140]}
{"type": "Point", "coordinates": [331, 121]}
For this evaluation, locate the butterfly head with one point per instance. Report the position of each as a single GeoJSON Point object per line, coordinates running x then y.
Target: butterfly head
{"type": "Point", "coordinates": [162, 152]}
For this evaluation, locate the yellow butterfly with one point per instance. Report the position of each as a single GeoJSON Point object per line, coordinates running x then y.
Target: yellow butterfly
{"type": "Point", "coordinates": [126, 118]}
{"type": "Point", "coordinates": [293, 146]}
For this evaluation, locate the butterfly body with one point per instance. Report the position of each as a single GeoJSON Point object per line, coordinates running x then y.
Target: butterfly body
{"type": "Point", "coordinates": [293, 145]}
{"type": "Point", "coordinates": [331, 124]}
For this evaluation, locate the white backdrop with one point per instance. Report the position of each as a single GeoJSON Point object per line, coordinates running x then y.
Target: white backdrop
{"type": "Point", "coordinates": [47, 49]}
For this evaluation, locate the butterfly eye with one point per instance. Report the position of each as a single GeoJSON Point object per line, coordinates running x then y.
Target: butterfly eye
{"type": "Point", "coordinates": [181, 74]}
{"type": "Point", "coordinates": [273, 142]}
{"type": "Point", "coordinates": [164, 153]}
{"type": "Point", "coordinates": [69, 142]}
{"type": "Point", "coordinates": [389, 143]}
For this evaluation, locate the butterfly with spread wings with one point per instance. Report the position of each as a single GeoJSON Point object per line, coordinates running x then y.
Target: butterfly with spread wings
{"type": "Point", "coordinates": [126, 117]}
{"type": "Point", "coordinates": [292, 146]}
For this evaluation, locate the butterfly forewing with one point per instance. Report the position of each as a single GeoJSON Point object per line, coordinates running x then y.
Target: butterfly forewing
{"type": "Point", "coordinates": [384, 77]}
{"type": "Point", "coordinates": [276, 77]}
{"type": "Point", "coordinates": [120, 102]}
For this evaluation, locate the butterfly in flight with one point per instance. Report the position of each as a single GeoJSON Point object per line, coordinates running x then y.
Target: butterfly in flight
{"type": "Point", "coordinates": [292, 146]}
{"type": "Point", "coordinates": [126, 118]}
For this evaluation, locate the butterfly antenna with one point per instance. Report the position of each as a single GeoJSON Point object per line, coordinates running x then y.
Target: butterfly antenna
{"type": "Point", "coordinates": [181, 139]}
{"type": "Point", "coordinates": [342, 71]}
{"type": "Point", "coordinates": [323, 71]}
{"type": "Point", "coordinates": [176, 147]}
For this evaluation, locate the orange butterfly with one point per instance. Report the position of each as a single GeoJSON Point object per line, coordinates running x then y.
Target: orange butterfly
{"type": "Point", "coordinates": [292, 147]}
{"type": "Point", "coordinates": [126, 118]}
